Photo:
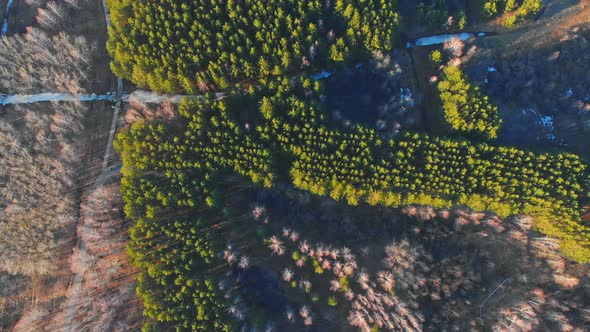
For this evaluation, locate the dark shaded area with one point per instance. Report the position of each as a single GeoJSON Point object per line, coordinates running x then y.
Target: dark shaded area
{"type": "Point", "coordinates": [356, 94]}
{"type": "Point", "coordinates": [457, 260]}
{"type": "Point", "coordinates": [262, 287]}
{"type": "Point", "coordinates": [522, 129]}
{"type": "Point", "coordinates": [21, 16]}
{"type": "Point", "coordinates": [528, 86]}
{"type": "Point", "coordinates": [378, 94]}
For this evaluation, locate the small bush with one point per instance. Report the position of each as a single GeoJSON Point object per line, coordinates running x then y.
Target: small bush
{"type": "Point", "coordinates": [332, 302]}
{"type": "Point", "coordinates": [436, 57]}
{"type": "Point", "coordinates": [344, 284]}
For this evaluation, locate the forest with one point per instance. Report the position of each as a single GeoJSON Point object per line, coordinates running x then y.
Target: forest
{"type": "Point", "coordinates": [303, 184]}
{"type": "Point", "coordinates": [39, 158]}
{"type": "Point", "coordinates": [172, 45]}
{"type": "Point", "coordinates": [184, 175]}
{"type": "Point", "coordinates": [177, 167]}
{"type": "Point", "coordinates": [42, 137]}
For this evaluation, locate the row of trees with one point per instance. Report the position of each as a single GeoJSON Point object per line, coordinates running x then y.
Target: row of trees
{"type": "Point", "coordinates": [175, 256]}
{"type": "Point", "coordinates": [466, 109]}
{"type": "Point", "coordinates": [38, 61]}
{"type": "Point", "coordinates": [203, 45]}
{"type": "Point", "coordinates": [106, 298]}
{"type": "Point", "coordinates": [358, 166]}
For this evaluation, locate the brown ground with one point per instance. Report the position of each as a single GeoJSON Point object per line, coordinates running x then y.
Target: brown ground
{"type": "Point", "coordinates": [559, 17]}
{"type": "Point", "coordinates": [49, 292]}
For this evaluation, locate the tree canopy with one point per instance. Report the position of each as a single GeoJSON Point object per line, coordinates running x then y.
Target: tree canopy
{"type": "Point", "coordinates": [204, 45]}
{"type": "Point", "coordinates": [466, 109]}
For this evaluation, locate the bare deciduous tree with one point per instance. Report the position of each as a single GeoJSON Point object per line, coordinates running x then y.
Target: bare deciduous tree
{"type": "Point", "coordinates": [53, 16]}
{"type": "Point", "coordinates": [37, 62]}
{"type": "Point", "coordinates": [454, 47]}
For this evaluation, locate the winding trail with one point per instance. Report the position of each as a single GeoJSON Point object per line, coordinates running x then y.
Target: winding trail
{"type": "Point", "coordinates": [52, 96]}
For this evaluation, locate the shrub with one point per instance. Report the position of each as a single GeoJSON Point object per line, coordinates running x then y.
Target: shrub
{"type": "Point", "coordinates": [344, 284]}
{"type": "Point", "coordinates": [332, 302]}
{"type": "Point", "coordinates": [436, 58]}
{"type": "Point", "coordinates": [510, 21]}
{"type": "Point", "coordinates": [519, 9]}
{"type": "Point", "coordinates": [461, 20]}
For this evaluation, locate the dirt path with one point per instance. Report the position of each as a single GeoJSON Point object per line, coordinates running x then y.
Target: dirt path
{"type": "Point", "coordinates": [139, 95]}
{"type": "Point", "coordinates": [73, 302]}
{"type": "Point", "coordinates": [106, 173]}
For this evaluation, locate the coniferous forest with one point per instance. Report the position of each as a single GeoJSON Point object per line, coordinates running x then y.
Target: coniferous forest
{"type": "Point", "coordinates": [175, 46]}
{"type": "Point", "coordinates": [185, 179]}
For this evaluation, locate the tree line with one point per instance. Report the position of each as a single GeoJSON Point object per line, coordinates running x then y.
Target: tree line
{"type": "Point", "coordinates": [517, 10]}
{"type": "Point", "coordinates": [172, 241]}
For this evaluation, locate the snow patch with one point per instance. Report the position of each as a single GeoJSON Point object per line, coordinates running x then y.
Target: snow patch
{"type": "Point", "coordinates": [321, 75]}
{"type": "Point", "coordinates": [547, 121]}
{"type": "Point", "coordinates": [27, 99]}
{"type": "Point", "coordinates": [439, 39]}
